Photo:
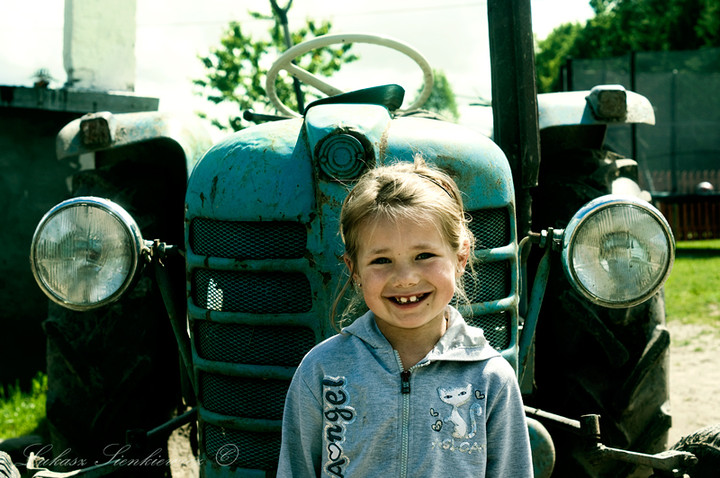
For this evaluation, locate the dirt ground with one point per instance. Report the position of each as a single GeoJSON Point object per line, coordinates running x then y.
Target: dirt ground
{"type": "Point", "coordinates": [694, 378]}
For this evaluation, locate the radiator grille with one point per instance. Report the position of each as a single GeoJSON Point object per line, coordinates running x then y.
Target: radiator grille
{"type": "Point", "coordinates": [251, 292]}
{"type": "Point", "coordinates": [247, 240]}
{"type": "Point", "coordinates": [242, 449]}
{"type": "Point", "coordinates": [241, 396]}
{"type": "Point", "coordinates": [282, 292]}
{"type": "Point", "coordinates": [491, 227]}
{"type": "Point", "coordinates": [496, 328]}
{"type": "Point", "coordinates": [491, 281]}
{"type": "Point", "coordinates": [237, 343]}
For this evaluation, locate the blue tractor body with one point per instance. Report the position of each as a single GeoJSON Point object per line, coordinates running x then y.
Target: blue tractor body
{"type": "Point", "coordinates": [264, 255]}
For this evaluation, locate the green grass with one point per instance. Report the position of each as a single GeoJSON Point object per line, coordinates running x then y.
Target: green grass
{"type": "Point", "coordinates": [22, 411]}
{"type": "Point", "coordinates": [692, 292]}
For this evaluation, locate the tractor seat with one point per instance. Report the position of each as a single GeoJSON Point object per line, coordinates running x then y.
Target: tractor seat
{"type": "Point", "coordinates": [389, 96]}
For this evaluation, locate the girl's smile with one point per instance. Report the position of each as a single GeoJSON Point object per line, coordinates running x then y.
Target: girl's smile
{"type": "Point", "coordinates": [413, 299]}
{"type": "Point", "coordinates": [407, 272]}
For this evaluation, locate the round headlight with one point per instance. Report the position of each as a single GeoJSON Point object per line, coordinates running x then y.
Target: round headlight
{"type": "Point", "coordinates": [85, 252]}
{"type": "Point", "coordinates": [618, 251]}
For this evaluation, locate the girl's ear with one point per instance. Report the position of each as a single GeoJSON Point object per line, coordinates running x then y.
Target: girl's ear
{"type": "Point", "coordinates": [349, 265]}
{"type": "Point", "coordinates": [463, 256]}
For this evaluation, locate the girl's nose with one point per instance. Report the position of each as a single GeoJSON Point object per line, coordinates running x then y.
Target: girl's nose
{"type": "Point", "coordinates": [405, 276]}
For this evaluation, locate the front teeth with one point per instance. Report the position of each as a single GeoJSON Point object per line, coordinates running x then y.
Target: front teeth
{"type": "Point", "coordinates": [405, 300]}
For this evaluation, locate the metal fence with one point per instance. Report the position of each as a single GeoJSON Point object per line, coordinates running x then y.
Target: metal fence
{"type": "Point", "coordinates": [680, 154]}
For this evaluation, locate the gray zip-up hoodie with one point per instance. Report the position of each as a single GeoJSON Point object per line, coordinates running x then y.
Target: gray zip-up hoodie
{"type": "Point", "coordinates": [352, 411]}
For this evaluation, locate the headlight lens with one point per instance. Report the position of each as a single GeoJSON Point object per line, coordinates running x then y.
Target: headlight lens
{"type": "Point", "coordinates": [618, 251]}
{"type": "Point", "coordinates": [85, 252]}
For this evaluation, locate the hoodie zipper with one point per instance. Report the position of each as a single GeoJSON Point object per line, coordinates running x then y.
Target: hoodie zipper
{"type": "Point", "coordinates": [405, 429]}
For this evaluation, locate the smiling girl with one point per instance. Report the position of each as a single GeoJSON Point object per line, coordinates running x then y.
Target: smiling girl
{"type": "Point", "coordinates": [408, 389]}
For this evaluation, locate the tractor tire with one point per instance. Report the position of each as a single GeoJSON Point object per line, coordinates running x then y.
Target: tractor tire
{"type": "Point", "coordinates": [115, 369]}
{"type": "Point", "coordinates": [7, 467]}
{"type": "Point", "coordinates": [590, 359]}
{"type": "Point", "coordinates": [705, 445]}
{"type": "Point", "coordinates": [109, 371]}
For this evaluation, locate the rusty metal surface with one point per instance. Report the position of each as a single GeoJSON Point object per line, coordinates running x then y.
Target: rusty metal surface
{"type": "Point", "coordinates": [255, 174]}
{"type": "Point", "coordinates": [476, 163]}
{"type": "Point", "coordinates": [99, 131]}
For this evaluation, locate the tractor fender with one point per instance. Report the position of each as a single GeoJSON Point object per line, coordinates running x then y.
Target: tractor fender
{"type": "Point", "coordinates": [603, 105]}
{"type": "Point", "coordinates": [104, 130]}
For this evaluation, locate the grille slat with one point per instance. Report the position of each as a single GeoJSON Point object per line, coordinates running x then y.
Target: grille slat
{"type": "Point", "coordinates": [252, 292]}
{"type": "Point", "coordinates": [491, 227]}
{"type": "Point", "coordinates": [243, 397]}
{"type": "Point", "coordinates": [237, 343]}
{"type": "Point", "coordinates": [248, 240]}
{"type": "Point", "coordinates": [490, 281]}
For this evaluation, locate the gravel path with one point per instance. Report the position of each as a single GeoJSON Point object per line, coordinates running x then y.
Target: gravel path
{"type": "Point", "coordinates": [694, 378]}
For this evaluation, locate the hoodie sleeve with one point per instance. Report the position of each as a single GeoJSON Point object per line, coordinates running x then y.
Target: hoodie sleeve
{"type": "Point", "coordinates": [301, 449]}
{"type": "Point", "coordinates": [508, 441]}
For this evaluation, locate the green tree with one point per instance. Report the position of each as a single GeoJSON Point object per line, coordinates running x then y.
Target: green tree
{"type": "Point", "coordinates": [236, 70]}
{"type": "Point", "coordinates": [442, 97]}
{"type": "Point", "coordinates": [551, 54]}
{"type": "Point", "coordinates": [622, 26]}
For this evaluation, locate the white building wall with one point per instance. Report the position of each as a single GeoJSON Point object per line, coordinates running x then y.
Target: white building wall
{"type": "Point", "coordinates": [99, 44]}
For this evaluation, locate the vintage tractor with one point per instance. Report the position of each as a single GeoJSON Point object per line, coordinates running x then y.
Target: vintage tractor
{"type": "Point", "coordinates": [249, 281]}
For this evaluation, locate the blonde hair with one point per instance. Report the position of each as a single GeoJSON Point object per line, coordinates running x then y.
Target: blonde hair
{"type": "Point", "coordinates": [402, 191]}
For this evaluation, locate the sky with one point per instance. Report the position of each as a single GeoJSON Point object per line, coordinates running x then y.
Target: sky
{"type": "Point", "coordinates": [451, 34]}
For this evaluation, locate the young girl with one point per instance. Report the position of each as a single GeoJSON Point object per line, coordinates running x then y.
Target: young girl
{"type": "Point", "coordinates": [409, 389]}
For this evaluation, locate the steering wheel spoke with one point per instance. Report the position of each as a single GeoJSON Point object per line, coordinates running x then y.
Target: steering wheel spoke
{"type": "Point", "coordinates": [284, 62]}
{"type": "Point", "coordinates": [312, 80]}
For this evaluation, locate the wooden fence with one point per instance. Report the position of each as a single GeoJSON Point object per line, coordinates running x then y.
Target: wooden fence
{"type": "Point", "coordinates": [686, 182]}
{"type": "Point", "coordinates": [692, 216]}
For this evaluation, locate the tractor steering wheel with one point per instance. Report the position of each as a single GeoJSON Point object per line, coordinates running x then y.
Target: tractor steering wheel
{"type": "Point", "coordinates": [284, 62]}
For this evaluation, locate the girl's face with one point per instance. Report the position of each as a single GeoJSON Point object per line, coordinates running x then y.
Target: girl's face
{"type": "Point", "coordinates": [407, 271]}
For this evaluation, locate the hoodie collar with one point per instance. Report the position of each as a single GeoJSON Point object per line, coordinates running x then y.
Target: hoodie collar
{"type": "Point", "coordinates": [460, 342]}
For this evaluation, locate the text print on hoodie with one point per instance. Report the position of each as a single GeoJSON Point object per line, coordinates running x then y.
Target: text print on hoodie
{"type": "Point", "coordinates": [352, 411]}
